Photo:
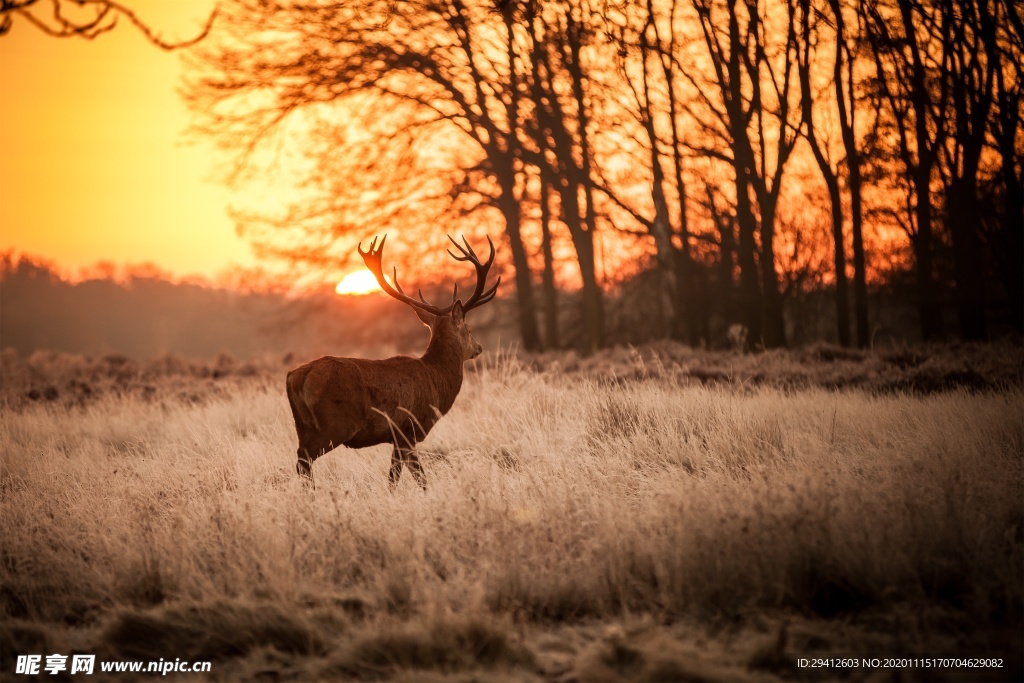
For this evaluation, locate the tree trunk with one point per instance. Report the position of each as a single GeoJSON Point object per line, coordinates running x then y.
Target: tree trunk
{"type": "Point", "coordinates": [750, 287]}
{"type": "Point", "coordinates": [583, 242]}
{"type": "Point", "coordinates": [664, 253]}
{"type": "Point", "coordinates": [927, 144]}
{"type": "Point", "coordinates": [971, 89]}
{"type": "Point", "coordinates": [593, 304]}
{"type": "Point", "coordinates": [1007, 240]}
{"type": "Point", "coordinates": [927, 298]}
{"type": "Point", "coordinates": [551, 336]}
{"type": "Point", "coordinates": [846, 99]}
{"type": "Point", "coordinates": [774, 329]}
{"type": "Point", "coordinates": [830, 176]}
{"type": "Point", "coordinates": [510, 208]}
{"type": "Point", "coordinates": [660, 227]}
{"type": "Point", "coordinates": [685, 320]}
{"type": "Point", "coordinates": [1011, 240]}
{"type": "Point", "coordinates": [962, 219]}
{"type": "Point", "coordinates": [839, 261]}
{"type": "Point", "coordinates": [726, 260]}
{"type": "Point", "coordinates": [860, 287]}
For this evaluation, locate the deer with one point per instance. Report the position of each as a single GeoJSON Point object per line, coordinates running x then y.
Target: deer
{"type": "Point", "coordinates": [357, 402]}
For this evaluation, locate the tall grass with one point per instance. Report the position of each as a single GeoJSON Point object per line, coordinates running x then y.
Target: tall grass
{"type": "Point", "coordinates": [551, 501]}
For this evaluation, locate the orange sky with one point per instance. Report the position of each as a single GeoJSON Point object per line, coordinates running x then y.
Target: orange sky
{"type": "Point", "coordinates": [94, 163]}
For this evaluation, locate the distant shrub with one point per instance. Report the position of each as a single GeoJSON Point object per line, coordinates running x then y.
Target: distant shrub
{"type": "Point", "coordinates": [213, 631]}
{"type": "Point", "coordinates": [450, 644]}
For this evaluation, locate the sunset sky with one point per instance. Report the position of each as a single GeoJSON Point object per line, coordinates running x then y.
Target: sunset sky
{"type": "Point", "coordinates": [94, 161]}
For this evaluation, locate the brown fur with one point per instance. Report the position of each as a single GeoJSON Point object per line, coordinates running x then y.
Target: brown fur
{"type": "Point", "coordinates": [357, 403]}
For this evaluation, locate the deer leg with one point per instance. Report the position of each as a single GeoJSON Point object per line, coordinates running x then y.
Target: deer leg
{"type": "Point", "coordinates": [304, 466]}
{"type": "Point", "coordinates": [406, 456]}
{"type": "Point", "coordinates": [396, 468]}
{"type": "Point", "coordinates": [413, 461]}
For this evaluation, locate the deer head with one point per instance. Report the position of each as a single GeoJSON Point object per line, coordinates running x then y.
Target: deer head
{"type": "Point", "coordinates": [448, 322]}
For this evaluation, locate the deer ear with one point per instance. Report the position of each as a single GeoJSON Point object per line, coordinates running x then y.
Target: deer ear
{"type": "Point", "coordinates": [458, 315]}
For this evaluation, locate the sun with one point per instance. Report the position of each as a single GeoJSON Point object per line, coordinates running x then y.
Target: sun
{"type": "Point", "coordinates": [359, 282]}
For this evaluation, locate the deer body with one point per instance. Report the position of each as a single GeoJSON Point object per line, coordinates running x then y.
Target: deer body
{"type": "Point", "coordinates": [356, 402]}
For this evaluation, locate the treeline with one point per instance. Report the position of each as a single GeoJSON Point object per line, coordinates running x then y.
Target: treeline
{"type": "Point", "coordinates": [744, 151]}
{"type": "Point", "coordinates": [140, 313]}
{"type": "Point", "coordinates": [146, 316]}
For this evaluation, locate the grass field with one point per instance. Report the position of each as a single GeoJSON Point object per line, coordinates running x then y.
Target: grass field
{"type": "Point", "coordinates": [578, 526]}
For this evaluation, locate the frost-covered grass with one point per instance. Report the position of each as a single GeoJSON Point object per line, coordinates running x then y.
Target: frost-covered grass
{"type": "Point", "coordinates": [573, 529]}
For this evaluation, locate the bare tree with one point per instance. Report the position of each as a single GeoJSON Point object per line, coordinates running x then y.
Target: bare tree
{"type": "Point", "coordinates": [828, 169]}
{"type": "Point", "coordinates": [435, 82]}
{"type": "Point", "coordinates": [1004, 46]}
{"type": "Point", "coordinates": [563, 119]}
{"type": "Point", "coordinates": [971, 75]}
{"type": "Point", "coordinates": [911, 57]}
{"type": "Point", "coordinates": [755, 81]}
{"type": "Point", "coordinates": [848, 104]}
{"type": "Point", "coordinates": [646, 48]}
{"type": "Point", "coordinates": [559, 100]}
{"type": "Point", "coordinates": [666, 47]}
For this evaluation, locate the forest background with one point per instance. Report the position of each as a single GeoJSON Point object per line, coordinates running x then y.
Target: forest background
{"type": "Point", "coordinates": [770, 173]}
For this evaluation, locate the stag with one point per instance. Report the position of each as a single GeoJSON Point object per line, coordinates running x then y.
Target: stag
{"type": "Point", "coordinates": [356, 402]}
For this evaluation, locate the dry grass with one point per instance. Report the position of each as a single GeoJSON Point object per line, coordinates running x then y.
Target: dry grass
{"type": "Point", "coordinates": [574, 529]}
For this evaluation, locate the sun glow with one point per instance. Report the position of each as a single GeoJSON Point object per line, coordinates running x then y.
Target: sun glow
{"type": "Point", "coordinates": [359, 282]}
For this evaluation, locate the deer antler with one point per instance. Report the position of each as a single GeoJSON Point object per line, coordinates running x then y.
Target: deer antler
{"type": "Point", "coordinates": [372, 259]}
{"type": "Point", "coordinates": [479, 297]}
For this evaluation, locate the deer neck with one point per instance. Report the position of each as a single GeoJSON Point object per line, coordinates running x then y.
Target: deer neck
{"type": "Point", "coordinates": [444, 359]}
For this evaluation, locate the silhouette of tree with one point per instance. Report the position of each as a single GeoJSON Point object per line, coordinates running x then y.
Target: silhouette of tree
{"type": "Point", "coordinates": [552, 335]}
{"type": "Point", "coordinates": [410, 110]}
{"type": "Point", "coordinates": [830, 173]}
{"type": "Point", "coordinates": [87, 19]}
{"type": "Point", "coordinates": [757, 118]}
{"type": "Point", "coordinates": [1003, 42]}
{"type": "Point", "coordinates": [562, 122]}
{"type": "Point", "coordinates": [971, 76]}
{"type": "Point", "coordinates": [847, 109]}
{"type": "Point", "coordinates": [911, 55]}
{"type": "Point", "coordinates": [558, 120]}
{"type": "Point", "coordinates": [647, 44]}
